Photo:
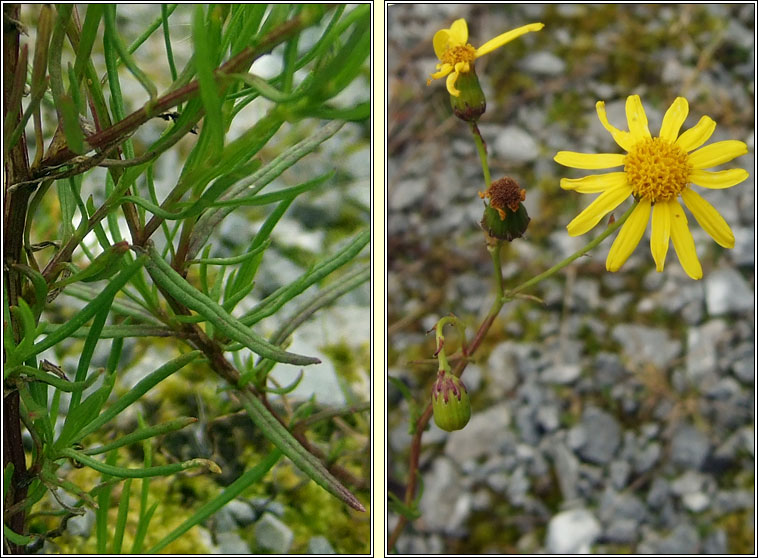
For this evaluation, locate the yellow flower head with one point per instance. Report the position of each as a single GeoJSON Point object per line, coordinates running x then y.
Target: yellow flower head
{"type": "Point", "coordinates": [657, 172]}
{"type": "Point", "coordinates": [457, 56]}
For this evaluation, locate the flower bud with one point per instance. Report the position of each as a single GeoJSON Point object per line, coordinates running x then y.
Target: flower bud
{"type": "Point", "coordinates": [505, 218]}
{"type": "Point", "coordinates": [470, 104]}
{"type": "Point", "coordinates": [450, 402]}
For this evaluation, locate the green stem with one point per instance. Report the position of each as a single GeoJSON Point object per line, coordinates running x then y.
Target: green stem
{"type": "Point", "coordinates": [494, 251]}
{"type": "Point", "coordinates": [482, 149]}
{"type": "Point", "coordinates": [557, 267]}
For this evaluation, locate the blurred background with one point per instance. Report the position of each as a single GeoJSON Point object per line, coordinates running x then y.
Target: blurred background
{"type": "Point", "coordinates": [618, 417]}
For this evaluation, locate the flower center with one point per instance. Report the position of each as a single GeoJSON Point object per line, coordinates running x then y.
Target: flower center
{"type": "Point", "coordinates": [459, 53]}
{"type": "Point", "coordinates": [657, 170]}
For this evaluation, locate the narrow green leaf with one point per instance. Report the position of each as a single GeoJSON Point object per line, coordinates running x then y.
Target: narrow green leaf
{"type": "Point", "coordinates": [167, 41]}
{"type": "Point", "coordinates": [128, 330]}
{"type": "Point", "coordinates": [245, 481]}
{"type": "Point", "coordinates": [206, 42]}
{"type": "Point", "coordinates": [244, 281]}
{"type": "Point", "coordinates": [53, 380]}
{"type": "Point", "coordinates": [262, 199]}
{"type": "Point", "coordinates": [33, 107]}
{"type": "Point", "coordinates": [143, 433]}
{"type": "Point", "coordinates": [145, 513]}
{"type": "Point", "coordinates": [140, 389]}
{"type": "Point", "coordinates": [87, 38]}
{"type": "Point", "coordinates": [286, 442]}
{"type": "Point", "coordinates": [138, 473]}
{"type": "Point", "coordinates": [178, 287]}
{"type": "Point", "coordinates": [143, 525]}
{"type": "Point", "coordinates": [166, 11]}
{"type": "Point", "coordinates": [360, 112]}
{"type": "Point", "coordinates": [251, 186]}
{"type": "Point", "coordinates": [102, 267]}
{"type": "Point", "coordinates": [101, 513]}
{"type": "Point", "coordinates": [87, 351]}
{"type": "Point", "coordinates": [15, 538]}
{"type": "Point", "coordinates": [233, 260]}
{"type": "Point", "coordinates": [68, 210]}
{"type": "Point", "coordinates": [267, 91]}
{"type": "Point", "coordinates": [113, 37]}
{"type": "Point", "coordinates": [84, 413]}
{"type": "Point", "coordinates": [279, 195]}
{"type": "Point", "coordinates": [54, 65]}
{"type": "Point", "coordinates": [123, 512]}
{"type": "Point", "coordinates": [253, 14]}
{"type": "Point", "coordinates": [40, 287]}
{"type": "Point", "coordinates": [277, 299]}
{"type": "Point", "coordinates": [78, 320]}
{"type": "Point", "coordinates": [21, 352]}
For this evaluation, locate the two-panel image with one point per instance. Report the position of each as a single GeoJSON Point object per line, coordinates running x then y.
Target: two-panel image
{"type": "Point", "coordinates": [570, 279]}
{"type": "Point", "coordinates": [378, 279]}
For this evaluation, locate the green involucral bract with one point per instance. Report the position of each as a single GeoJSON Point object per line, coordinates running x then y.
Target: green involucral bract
{"type": "Point", "coordinates": [471, 103]}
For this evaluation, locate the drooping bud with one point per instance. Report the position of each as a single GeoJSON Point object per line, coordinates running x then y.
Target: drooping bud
{"type": "Point", "coordinates": [450, 402]}
{"type": "Point", "coordinates": [470, 104]}
{"type": "Point", "coordinates": [505, 218]}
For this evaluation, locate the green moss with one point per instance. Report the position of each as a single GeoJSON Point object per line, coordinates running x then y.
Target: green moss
{"type": "Point", "coordinates": [740, 531]}
{"type": "Point", "coordinates": [311, 511]}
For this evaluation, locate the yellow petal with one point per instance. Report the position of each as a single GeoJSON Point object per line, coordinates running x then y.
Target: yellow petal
{"type": "Point", "coordinates": [462, 67]}
{"type": "Point", "coordinates": [683, 243]}
{"type": "Point", "coordinates": [441, 42]}
{"type": "Point", "coordinates": [500, 40]}
{"type": "Point", "coordinates": [623, 138]}
{"type": "Point", "coordinates": [629, 236]}
{"type": "Point", "coordinates": [595, 183]}
{"type": "Point", "coordinates": [589, 161]}
{"type": "Point", "coordinates": [708, 218]}
{"type": "Point", "coordinates": [660, 232]}
{"type": "Point", "coordinates": [445, 69]}
{"type": "Point", "coordinates": [450, 83]}
{"type": "Point", "coordinates": [717, 179]}
{"type": "Point", "coordinates": [697, 135]}
{"type": "Point", "coordinates": [636, 118]}
{"type": "Point", "coordinates": [674, 118]}
{"type": "Point", "coordinates": [603, 204]}
{"type": "Point", "coordinates": [716, 153]}
{"type": "Point", "coordinates": [459, 32]}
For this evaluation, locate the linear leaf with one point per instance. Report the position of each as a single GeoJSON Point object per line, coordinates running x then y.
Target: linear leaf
{"type": "Point", "coordinates": [288, 444]}
{"type": "Point", "coordinates": [246, 480]}
{"type": "Point", "coordinates": [79, 319]}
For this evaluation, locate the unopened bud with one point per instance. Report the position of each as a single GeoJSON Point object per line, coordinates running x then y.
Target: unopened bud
{"type": "Point", "coordinates": [450, 402]}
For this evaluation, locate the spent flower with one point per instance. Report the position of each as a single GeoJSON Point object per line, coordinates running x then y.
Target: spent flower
{"type": "Point", "coordinates": [505, 218]}
{"type": "Point", "coordinates": [658, 172]}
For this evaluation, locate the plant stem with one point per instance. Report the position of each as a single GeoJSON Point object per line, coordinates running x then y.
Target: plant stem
{"type": "Point", "coordinates": [501, 298]}
{"type": "Point", "coordinates": [557, 267]}
{"type": "Point", "coordinates": [481, 147]}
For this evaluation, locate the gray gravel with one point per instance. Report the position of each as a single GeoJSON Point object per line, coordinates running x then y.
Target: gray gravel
{"type": "Point", "coordinates": [618, 416]}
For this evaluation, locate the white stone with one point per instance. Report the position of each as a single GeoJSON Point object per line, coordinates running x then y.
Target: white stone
{"type": "Point", "coordinates": [515, 145]}
{"type": "Point", "coordinates": [572, 532]}
{"type": "Point", "coordinates": [727, 291]}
